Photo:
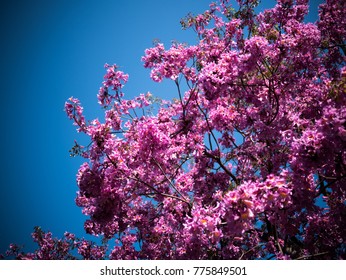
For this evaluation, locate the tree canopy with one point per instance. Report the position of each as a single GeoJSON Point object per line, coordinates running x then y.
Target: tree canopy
{"type": "Point", "coordinates": [247, 162]}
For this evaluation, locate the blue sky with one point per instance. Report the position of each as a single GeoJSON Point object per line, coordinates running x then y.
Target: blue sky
{"type": "Point", "coordinates": [52, 50]}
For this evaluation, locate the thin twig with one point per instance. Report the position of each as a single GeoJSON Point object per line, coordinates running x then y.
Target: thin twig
{"type": "Point", "coordinates": [248, 251]}
{"type": "Point", "coordinates": [310, 256]}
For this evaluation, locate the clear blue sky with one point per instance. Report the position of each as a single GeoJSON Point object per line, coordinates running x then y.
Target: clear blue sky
{"type": "Point", "coordinates": [51, 50]}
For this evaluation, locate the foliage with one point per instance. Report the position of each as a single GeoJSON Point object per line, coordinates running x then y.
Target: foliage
{"type": "Point", "coordinates": [248, 162]}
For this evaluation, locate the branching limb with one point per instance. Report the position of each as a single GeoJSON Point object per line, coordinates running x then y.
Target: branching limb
{"type": "Point", "coordinates": [168, 179]}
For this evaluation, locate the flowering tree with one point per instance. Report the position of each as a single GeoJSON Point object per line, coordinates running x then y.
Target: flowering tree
{"type": "Point", "coordinates": [249, 160]}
